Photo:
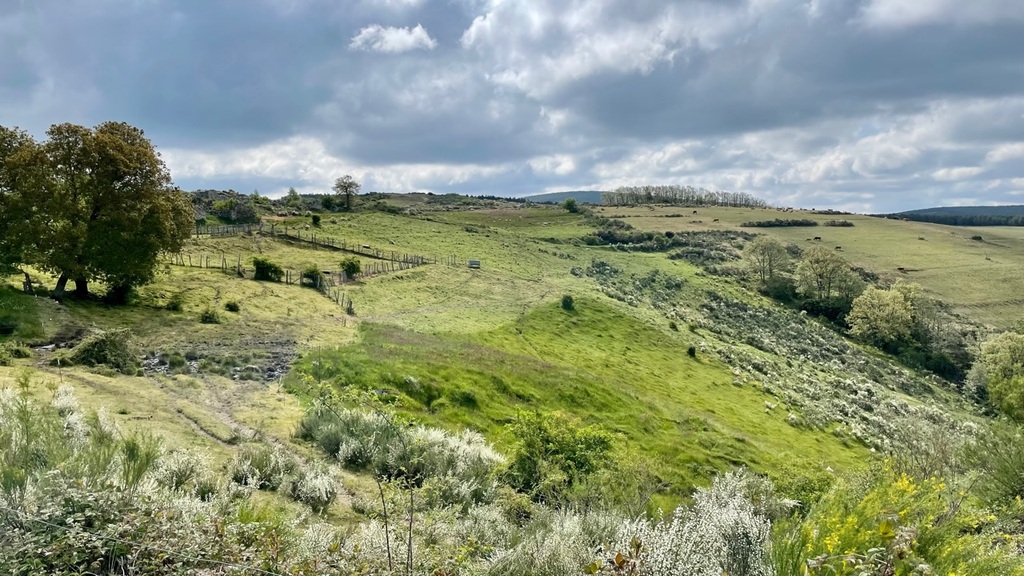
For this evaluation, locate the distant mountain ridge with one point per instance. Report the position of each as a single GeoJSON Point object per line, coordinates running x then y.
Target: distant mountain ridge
{"type": "Point", "coordinates": [1009, 215]}
{"type": "Point", "coordinates": [581, 196]}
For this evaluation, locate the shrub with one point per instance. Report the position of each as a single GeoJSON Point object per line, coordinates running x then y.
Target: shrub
{"type": "Point", "coordinates": [351, 266]}
{"type": "Point", "coordinates": [111, 348]}
{"type": "Point", "coordinates": [209, 316]}
{"type": "Point", "coordinates": [724, 532]}
{"type": "Point", "coordinates": [673, 326]}
{"type": "Point", "coordinates": [454, 468]}
{"type": "Point", "coordinates": [568, 304]}
{"type": "Point", "coordinates": [178, 470]}
{"type": "Point", "coordinates": [267, 270]}
{"type": "Point", "coordinates": [553, 454]}
{"type": "Point", "coordinates": [890, 523]}
{"type": "Point", "coordinates": [977, 238]}
{"type": "Point", "coordinates": [571, 205]}
{"type": "Point", "coordinates": [316, 220]}
{"type": "Point", "coordinates": [261, 467]}
{"type": "Point", "coordinates": [314, 486]}
{"type": "Point", "coordinates": [232, 306]}
{"type": "Point", "coordinates": [691, 351]}
{"type": "Point", "coordinates": [15, 350]}
{"type": "Point", "coordinates": [176, 302]}
{"type": "Point", "coordinates": [7, 326]}
{"type": "Point", "coordinates": [313, 276]}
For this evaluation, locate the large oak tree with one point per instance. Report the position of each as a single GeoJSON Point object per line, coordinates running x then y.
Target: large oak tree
{"type": "Point", "coordinates": [102, 207]}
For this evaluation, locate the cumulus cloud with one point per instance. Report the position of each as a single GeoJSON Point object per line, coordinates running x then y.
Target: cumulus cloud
{"type": "Point", "coordinates": [866, 104]}
{"type": "Point", "coordinates": [377, 38]}
{"type": "Point", "coordinates": [901, 13]}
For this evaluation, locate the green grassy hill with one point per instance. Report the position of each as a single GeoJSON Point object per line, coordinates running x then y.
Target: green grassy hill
{"type": "Point", "coordinates": [976, 270]}
{"type": "Point", "coordinates": [692, 372]}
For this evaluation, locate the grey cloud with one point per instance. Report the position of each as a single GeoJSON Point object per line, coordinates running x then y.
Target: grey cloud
{"type": "Point", "coordinates": [852, 103]}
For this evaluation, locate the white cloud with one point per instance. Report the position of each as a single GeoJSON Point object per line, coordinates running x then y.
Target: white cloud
{"type": "Point", "coordinates": [539, 49]}
{"type": "Point", "coordinates": [1004, 152]}
{"type": "Point", "coordinates": [308, 163]}
{"type": "Point", "coordinates": [396, 4]}
{"type": "Point", "coordinates": [556, 164]}
{"type": "Point", "coordinates": [905, 13]}
{"type": "Point", "coordinates": [958, 173]}
{"type": "Point", "coordinates": [392, 40]}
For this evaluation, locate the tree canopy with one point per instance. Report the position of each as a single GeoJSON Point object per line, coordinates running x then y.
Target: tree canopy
{"type": "Point", "coordinates": [883, 317]}
{"type": "Point", "coordinates": [766, 257]}
{"type": "Point", "coordinates": [89, 204]}
{"type": "Point", "coordinates": [1000, 369]}
{"type": "Point", "coordinates": [347, 187]}
{"type": "Point", "coordinates": [823, 274]}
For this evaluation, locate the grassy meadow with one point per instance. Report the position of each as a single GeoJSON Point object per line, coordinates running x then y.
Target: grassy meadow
{"type": "Point", "coordinates": [698, 382]}
{"type": "Point", "coordinates": [459, 348]}
{"type": "Point", "coordinates": [979, 278]}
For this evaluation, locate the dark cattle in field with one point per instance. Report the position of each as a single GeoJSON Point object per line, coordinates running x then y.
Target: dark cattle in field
{"type": "Point", "coordinates": [694, 211]}
{"type": "Point", "coordinates": [715, 220]}
{"type": "Point", "coordinates": [839, 247]}
{"type": "Point", "coordinates": [817, 238]}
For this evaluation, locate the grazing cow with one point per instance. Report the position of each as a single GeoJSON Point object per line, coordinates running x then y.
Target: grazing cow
{"type": "Point", "coordinates": [839, 247]}
{"type": "Point", "coordinates": [715, 220]}
{"type": "Point", "coordinates": [694, 211]}
{"type": "Point", "coordinates": [817, 238]}
{"type": "Point", "coordinates": [901, 269]}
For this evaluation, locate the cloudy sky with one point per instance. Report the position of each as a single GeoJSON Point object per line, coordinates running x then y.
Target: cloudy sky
{"type": "Point", "coordinates": [871, 105]}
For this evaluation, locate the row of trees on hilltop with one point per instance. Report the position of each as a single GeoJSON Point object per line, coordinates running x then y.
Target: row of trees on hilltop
{"type": "Point", "coordinates": [680, 196]}
{"type": "Point", "coordinates": [88, 204]}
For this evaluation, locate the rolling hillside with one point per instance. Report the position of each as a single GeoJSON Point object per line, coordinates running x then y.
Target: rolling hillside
{"type": "Point", "coordinates": [690, 375]}
{"type": "Point", "coordinates": [978, 271]}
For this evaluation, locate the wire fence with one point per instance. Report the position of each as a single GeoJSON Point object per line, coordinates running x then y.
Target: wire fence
{"type": "Point", "coordinates": [317, 240]}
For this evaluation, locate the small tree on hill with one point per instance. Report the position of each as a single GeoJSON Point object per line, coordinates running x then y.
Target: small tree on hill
{"type": "Point", "coordinates": [351, 266]}
{"type": "Point", "coordinates": [571, 205]}
{"type": "Point", "coordinates": [267, 270]}
{"type": "Point", "coordinates": [766, 257]}
{"type": "Point", "coordinates": [1000, 370]}
{"type": "Point", "coordinates": [346, 187]}
{"type": "Point", "coordinates": [823, 274]}
{"type": "Point", "coordinates": [883, 317]}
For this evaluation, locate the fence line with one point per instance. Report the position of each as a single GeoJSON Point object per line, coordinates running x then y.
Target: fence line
{"type": "Point", "coordinates": [318, 240]}
{"type": "Point", "coordinates": [329, 284]}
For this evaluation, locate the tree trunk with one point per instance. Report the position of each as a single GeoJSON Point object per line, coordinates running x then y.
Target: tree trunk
{"type": "Point", "coordinates": [81, 288]}
{"type": "Point", "coordinates": [60, 290]}
{"type": "Point", "coordinates": [118, 294]}
{"type": "Point", "coordinates": [27, 284]}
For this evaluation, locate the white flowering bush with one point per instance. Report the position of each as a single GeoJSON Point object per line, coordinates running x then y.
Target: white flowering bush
{"type": "Point", "coordinates": [452, 468]}
{"type": "Point", "coordinates": [724, 532]}
{"type": "Point", "coordinates": [260, 466]}
{"type": "Point", "coordinates": [314, 485]}
{"type": "Point", "coordinates": [818, 377]}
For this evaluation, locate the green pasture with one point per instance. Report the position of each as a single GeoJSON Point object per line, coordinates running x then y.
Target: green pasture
{"type": "Point", "coordinates": [979, 278]}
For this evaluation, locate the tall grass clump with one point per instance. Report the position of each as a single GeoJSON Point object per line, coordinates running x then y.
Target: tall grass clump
{"type": "Point", "coordinates": [724, 532]}
{"type": "Point", "coordinates": [112, 348]}
{"type": "Point", "coordinates": [314, 486]}
{"type": "Point", "coordinates": [261, 467]}
{"type": "Point", "coordinates": [455, 468]}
